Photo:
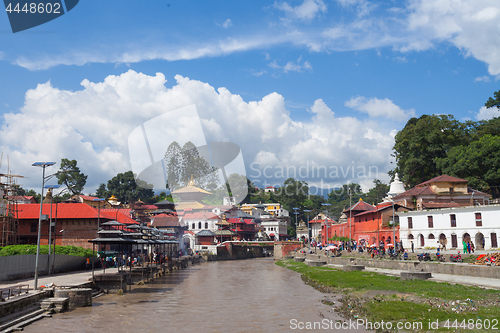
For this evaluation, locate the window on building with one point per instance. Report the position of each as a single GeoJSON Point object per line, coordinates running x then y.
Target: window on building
{"type": "Point", "coordinates": [199, 225]}
{"type": "Point", "coordinates": [206, 225]}
{"type": "Point", "coordinates": [410, 236]}
{"type": "Point", "coordinates": [479, 220]}
{"type": "Point", "coordinates": [430, 222]}
{"type": "Point", "coordinates": [193, 226]}
{"type": "Point", "coordinates": [493, 237]}
{"type": "Point", "coordinates": [431, 236]}
{"type": "Point", "coordinates": [410, 223]}
{"type": "Point", "coordinates": [33, 227]}
{"type": "Point", "coordinates": [453, 220]}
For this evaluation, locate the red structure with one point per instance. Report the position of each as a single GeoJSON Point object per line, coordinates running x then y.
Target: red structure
{"type": "Point", "coordinates": [371, 223]}
{"type": "Point", "coordinates": [244, 228]}
{"type": "Point", "coordinates": [76, 223]}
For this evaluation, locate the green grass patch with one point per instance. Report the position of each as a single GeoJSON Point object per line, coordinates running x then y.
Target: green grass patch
{"type": "Point", "coordinates": [378, 297]}
{"type": "Point", "coordinates": [12, 250]}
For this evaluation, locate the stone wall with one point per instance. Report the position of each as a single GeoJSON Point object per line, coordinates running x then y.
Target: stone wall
{"type": "Point", "coordinates": [423, 266]}
{"type": "Point", "coordinates": [282, 249]}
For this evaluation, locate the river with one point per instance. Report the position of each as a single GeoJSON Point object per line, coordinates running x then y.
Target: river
{"type": "Point", "coordinates": [252, 295]}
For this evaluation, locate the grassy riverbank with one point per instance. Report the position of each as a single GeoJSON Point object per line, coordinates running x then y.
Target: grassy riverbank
{"type": "Point", "coordinates": [378, 297]}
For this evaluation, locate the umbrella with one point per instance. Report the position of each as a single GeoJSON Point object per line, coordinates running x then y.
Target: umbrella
{"type": "Point", "coordinates": [332, 247]}
{"type": "Point", "coordinates": [373, 245]}
{"type": "Point", "coordinates": [390, 245]}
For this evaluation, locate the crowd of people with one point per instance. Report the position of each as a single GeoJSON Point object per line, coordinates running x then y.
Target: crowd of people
{"type": "Point", "coordinates": [116, 260]}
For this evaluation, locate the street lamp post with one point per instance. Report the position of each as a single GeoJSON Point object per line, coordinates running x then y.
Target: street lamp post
{"type": "Point", "coordinates": [393, 221]}
{"type": "Point", "coordinates": [296, 212]}
{"type": "Point", "coordinates": [350, 214]}
{"type": "Point", "coordinates": [326, 220]}
{"type": "Point", "coordinates": [43, 165]}
{"type": "Point", "coordinates": [50, 222]}
{"type": "Point", "coordinates": [99, 212]}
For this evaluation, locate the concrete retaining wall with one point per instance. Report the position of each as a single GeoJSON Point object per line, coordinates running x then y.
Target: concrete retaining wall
{"type": "Point", "coordinates": [77, 297]}
{"type": "Point", "coordinates": [23, 266]}
{"type": "Point", "coordinates": [282, 249]}
{"type": "Point", "coordinates": [433, 267]}
{"type": "Point", "coordinates": [20, 302]}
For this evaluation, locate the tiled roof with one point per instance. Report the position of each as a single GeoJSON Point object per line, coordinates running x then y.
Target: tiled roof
{"type": "Point", "coordinates": [188, 205]}
{"type": "Point", "coordinates": [236, 220]}
{"type": "Point", "coordinates": [321, 221]}
{"type": "Point", "coordinates": [149, 207]}
{"type": "Point", "coordinates": [164, 203]}
{"type": "Point", "coordinates": [360, 206]}
{"type": "Point", "coordinates": [205, 233]}
{"type": "Point", "coordinates": [64, 211]}
{"type": "Point", "coordinates": [164, 220]}
{"type": "Point", "coordinates": [121, 215]}
{"type": "Point", "coordinates": [224, 232]}
{"type": "Point", "coordinates": [88, 198]}
{"type": "Point", "coordinates": [190, 189]}
{"type": "Point", "coordinates": [200, 216]}
{"type": "Point", "coordinates": [435, 205]}
{"type": "Point", "coordinates": [443, 178]}
{"type": "Point", "coordinates": [416, 191]}
{"type": "Point", "coordinates": [21, 198]}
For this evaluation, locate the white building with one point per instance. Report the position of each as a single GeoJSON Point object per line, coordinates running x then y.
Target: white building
{"type": "Point", "coordinates": [316, 223]}
{"type": "Point", "coordinates": [480, 224]}
{"type": "Point", "coordinates": [274, 228]}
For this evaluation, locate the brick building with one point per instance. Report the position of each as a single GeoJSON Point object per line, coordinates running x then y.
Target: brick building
{"type": "Point", "coordinates": [75, 223]}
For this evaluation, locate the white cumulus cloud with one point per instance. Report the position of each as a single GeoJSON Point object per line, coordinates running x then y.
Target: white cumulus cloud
{"type": "Point", "coordinates": [485, 113]}
{"type": "Point", "coordinates": [305, 11]}
{"type": "Point", "coordinates": [375, 107]}
{"type": "Point", "coordinates": [92, 125]}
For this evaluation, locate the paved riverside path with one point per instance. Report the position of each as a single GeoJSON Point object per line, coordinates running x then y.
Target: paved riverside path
{"type": "Point", "coordinates": [63, 279]}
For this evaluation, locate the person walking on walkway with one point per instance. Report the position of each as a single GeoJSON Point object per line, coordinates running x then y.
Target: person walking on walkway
{"type": "Point", "coordinates": [464, 246]}
{"type": "Point", "coordinates": [412, 247]}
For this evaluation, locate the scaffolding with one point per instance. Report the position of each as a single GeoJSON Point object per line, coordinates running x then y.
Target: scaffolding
{"type": "Point", "coordinates": [9, 221]}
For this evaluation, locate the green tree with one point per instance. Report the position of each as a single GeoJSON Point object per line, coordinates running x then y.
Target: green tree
{"type": "Point", "coordinates": [293, 193]}
{"type": "Point", "coordinates": [102, 191]}
{"type": "Point", "coordinates": [69, 174]}
{"type": "Point", "coordinates": [34, 194]}
{"type": "Point", "coordinates": [493, 102]}
{"type": "Point", "coordinates": [378, 192]}
{"type": "Point", "coordinates": [478, 162]}
{"type": "Point", "coordinates": [341, 198]}
{"type": "Point", "coordinates": [125, 188]}
{"type": "Point", "coordinates": [425, 140]}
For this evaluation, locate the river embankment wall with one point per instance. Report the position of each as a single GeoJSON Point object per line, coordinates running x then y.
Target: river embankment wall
{"type": "Point", "coordinates": [23, 266]}
{"type": "Point", "coordinates": [412, 265]}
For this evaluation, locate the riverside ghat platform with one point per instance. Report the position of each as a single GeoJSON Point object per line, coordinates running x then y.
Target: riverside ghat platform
{"type": "Point", "coordinates": [456, 273]}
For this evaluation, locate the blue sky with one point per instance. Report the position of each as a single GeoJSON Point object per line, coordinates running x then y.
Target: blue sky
{"type": "Point", "coordinates": [308, 82]}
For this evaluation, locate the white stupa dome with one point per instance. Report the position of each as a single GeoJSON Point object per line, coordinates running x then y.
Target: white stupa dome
{"type": "Point", "coordinates": [397, 187]}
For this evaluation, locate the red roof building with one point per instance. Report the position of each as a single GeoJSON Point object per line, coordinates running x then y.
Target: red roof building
{"type": "Point", "coordinates": [441, 192]}
{"type": "Point", "coordinates": [366, 222]}
{"type": "Point", "coordinates": [74, 223]}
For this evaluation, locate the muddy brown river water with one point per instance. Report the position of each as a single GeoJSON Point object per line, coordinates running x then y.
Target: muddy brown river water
{"type": "Point", "coordinates": [225, 296]}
